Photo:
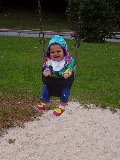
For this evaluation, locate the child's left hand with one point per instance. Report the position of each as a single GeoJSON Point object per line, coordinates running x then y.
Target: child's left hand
{"type": "Point", "coordinates": [66, 75]}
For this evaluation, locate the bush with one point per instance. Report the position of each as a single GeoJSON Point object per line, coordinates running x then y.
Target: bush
{"type": "Point", "coordinates": [92, 20]}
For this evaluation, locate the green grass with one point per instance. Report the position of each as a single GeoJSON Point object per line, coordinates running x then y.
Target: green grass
{"type": "Point", "coordinates": [97, 77]}
{"type": "Point", "coordinates": [97, 80]}
{"type": "Point", "coordinates": [98, 74]}
{"type": "Point", "coordinates": [98, 66]}
{"type": "Point", "coordinates": [20, 56]}
{"type": "Point", "coordinates": [97, 69]}
{"type": "Point", "coordinates": [22, 19]}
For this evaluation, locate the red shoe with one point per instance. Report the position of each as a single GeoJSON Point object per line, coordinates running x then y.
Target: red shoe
{"type": "Point", "coordinates": [58, 111]}
{"type": "Point", "coordinates": [40, 107]}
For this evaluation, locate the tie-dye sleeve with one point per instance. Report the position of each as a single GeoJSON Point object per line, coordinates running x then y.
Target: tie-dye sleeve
{"type": "Point", "coordinates": [47, 66]}
{"type": "Point", "coordinates": [70, 66]}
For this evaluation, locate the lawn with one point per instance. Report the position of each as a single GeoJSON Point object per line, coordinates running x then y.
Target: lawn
{"type": "Point", "coordinates": [29, 19]}
{"type": "Point", "coordinates": [97, 80]}
{"type": "Point", "coordinates": [98, 69]}
{"type": "Point", "coordinates": [97, 77]}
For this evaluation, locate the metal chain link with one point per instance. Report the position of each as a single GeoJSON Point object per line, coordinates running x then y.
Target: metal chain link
{"type": "Point", "coordinates": [41, 34]}
{"type": "Point", "coordinates": [77, 36]}
{"type": "Point", "coordinates": [77, 40]}
{"type": "Point", "coordinates": [40, 14]}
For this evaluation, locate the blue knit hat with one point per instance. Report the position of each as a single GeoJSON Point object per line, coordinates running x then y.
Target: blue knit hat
{"type": "Point", "coordinates": [58, 39]}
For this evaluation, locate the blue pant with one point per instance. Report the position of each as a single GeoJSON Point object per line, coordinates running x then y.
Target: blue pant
{"type": "Point", "coordinates": [65, 93]}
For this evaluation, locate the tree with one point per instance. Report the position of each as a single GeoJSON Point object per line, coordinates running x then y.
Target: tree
{"type": "Point", "coordinates": [92, 20]}
{"type": "Point", "coordinates": [1, 7]}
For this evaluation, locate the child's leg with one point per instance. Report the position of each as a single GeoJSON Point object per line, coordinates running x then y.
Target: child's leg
{"type": "Point", "coordinates": [65, 93]}
{"type": "Point", "coordinates": [44, 98]}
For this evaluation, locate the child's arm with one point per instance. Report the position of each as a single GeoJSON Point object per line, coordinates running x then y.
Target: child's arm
{"type": "Point", "coordinates": [46, 69]}
{"type": "Point", "coordinates": [47, 73]}
{"type": "Point", "coordinates": [69, 69]}
{"type": "Point", "coordinates": [66, 75]}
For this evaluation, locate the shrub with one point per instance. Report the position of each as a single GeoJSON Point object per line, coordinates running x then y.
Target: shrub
{"type": "Point", "coordinates": [91, 19]}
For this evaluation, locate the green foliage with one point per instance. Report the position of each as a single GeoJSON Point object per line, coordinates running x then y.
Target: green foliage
{"type": "Point", "coordinates": [92, 20]}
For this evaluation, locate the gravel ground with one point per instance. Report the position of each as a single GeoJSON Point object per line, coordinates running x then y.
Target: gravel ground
{"type": "Point", "coordinates": [78, 134]}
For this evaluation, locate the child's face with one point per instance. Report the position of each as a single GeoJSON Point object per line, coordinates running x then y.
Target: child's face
{"type": "Point", "coordinates": [56, 52]}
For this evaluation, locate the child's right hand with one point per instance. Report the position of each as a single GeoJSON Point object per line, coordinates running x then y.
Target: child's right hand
{"type": "Point", "coordinates": [47, 73]}
{"type": "Point", "coordinates": [66, 75]}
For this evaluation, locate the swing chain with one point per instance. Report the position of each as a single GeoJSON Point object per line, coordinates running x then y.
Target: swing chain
{"type": "Point", "coordinates": [77, 35]}
{"type": "Point", "coordinates": [77, 40]}
{"type": "Point", "coordinates": [41, 34]}
{"type": "Point", "coordinates": [40, 14]}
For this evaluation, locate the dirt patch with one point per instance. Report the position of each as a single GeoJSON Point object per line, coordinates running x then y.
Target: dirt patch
{"type": "Point", "coordinates": [15, 112]}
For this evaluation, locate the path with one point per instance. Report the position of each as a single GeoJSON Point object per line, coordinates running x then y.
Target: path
{"type": "Point", "coordinates": [48, 34]}
{"type": "Point", "coordinates": [78, 134]}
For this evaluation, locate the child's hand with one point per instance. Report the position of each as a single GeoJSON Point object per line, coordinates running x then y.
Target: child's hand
{"type": "Point", "coordinates": [66, 75]}
{"type": "Point", "coordinates": [47, 73]}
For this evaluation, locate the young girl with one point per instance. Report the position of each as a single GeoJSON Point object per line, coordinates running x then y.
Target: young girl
{"type": "Point", "coordinates": [58, 63]}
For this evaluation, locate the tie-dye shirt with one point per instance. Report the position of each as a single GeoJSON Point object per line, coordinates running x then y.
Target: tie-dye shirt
{"type": "Point", "coordinates": [68, 66]}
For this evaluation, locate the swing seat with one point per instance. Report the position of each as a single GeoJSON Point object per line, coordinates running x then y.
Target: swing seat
{"type": "Point", "coordinates": [55, 84]}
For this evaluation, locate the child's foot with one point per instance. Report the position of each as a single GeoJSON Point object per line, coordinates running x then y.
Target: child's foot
{"type": "Point", "coordinates": [40, 107]}
{"type": "Point", "coordinates": [59, 110]}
